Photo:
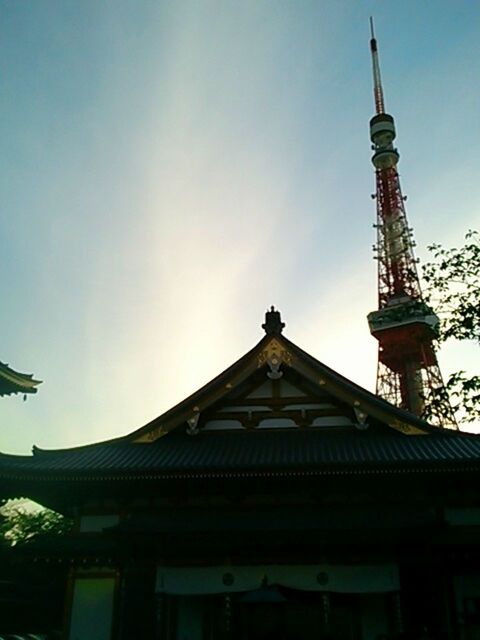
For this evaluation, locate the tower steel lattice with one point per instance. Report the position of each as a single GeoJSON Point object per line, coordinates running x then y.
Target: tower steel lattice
{"type": "Point", "coordinates": [408, 374]}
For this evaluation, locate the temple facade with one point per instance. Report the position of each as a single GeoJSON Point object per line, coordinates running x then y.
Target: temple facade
{"type": "Point", "coordinates": [281, 500]}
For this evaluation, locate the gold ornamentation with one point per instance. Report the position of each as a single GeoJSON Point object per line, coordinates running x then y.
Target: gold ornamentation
{"type": "Point", "coordinates": [401, 426]}
{"type": "Point", "coordinates": [192, 423]}
{"type": "Point", "coordinates": [156, 433]}
{"type": "Point", "coordinates": [407, 429]}
{"type": "Point", "coordinates": [275, 353]}
{"type": "Point", "coordinates": [152, 435]}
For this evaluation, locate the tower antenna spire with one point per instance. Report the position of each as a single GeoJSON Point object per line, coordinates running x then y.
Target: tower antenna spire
{"type": "Point", "coordinates": [377, 79]}
{"type": "Point", "coordinates": [408, 374]}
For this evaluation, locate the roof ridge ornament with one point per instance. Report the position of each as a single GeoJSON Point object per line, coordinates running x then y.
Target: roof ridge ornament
{"type": "Point", "coordinates": [273, 324]}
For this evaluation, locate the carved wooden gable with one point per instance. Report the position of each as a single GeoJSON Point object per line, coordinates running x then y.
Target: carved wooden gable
{"type": "Point", "coordinates": [287, 401]}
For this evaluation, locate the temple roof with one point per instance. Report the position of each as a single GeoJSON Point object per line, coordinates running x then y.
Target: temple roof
{"type": "Point", "coordinates": [13, 382]}
{"type": "Point", "coordinates": [300, 452]}
{"type": "Point", "coordinates": [276, 411]}
{"type": "Point", "coordinates": [279, 371]}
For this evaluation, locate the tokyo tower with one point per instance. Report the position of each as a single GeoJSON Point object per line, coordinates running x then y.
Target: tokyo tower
{"type": "Point", "coordinates": [408, 374]}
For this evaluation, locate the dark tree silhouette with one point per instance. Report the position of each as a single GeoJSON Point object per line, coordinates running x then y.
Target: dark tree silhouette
{"type": "Point", "coordinates": [453, 290]}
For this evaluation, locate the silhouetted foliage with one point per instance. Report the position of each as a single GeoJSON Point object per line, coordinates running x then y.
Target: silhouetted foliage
{"type": "Point", "coordinates": [453, 290]}
{"type": "Point", "coordinates": [20, 522]}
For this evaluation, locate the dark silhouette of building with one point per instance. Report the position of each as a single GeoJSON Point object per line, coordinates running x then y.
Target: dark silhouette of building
{"type": "Point", "coordinates": [280, 500]}
{"type": "Point", "coordinates": [13, 382]}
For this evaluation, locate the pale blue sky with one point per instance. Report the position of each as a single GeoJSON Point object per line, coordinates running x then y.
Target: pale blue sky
{"type": "Point", "coordinates": [170, 169]}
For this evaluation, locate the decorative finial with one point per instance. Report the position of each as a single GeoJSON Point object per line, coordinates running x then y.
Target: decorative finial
{"type": "Point", "coordinates": [273, 322]}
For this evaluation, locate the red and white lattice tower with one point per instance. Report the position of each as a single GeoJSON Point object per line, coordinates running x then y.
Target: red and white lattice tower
{"type": "Point", "coordinates": [408, 374]}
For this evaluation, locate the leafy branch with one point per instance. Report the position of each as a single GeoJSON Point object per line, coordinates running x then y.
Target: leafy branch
{"type": "Point", "coordinates": [453, 289]}
{"type": "Point", "coordinates": [21, 521]}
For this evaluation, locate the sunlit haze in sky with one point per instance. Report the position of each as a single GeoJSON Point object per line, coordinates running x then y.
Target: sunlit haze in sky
{"type": "Point", "coordinates": [171, 169]}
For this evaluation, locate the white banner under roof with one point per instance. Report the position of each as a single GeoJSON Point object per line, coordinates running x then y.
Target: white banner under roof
{"type": "Point", "coordinates": [377, 578]}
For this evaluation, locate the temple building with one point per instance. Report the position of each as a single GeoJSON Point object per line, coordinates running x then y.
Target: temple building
{"type": "Point", "coordinates": [280, 500]}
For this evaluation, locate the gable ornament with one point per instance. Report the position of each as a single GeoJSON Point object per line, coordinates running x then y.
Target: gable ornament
{"type": "Point", "coordinates": [192, 423]}
{"type": "Point", "coordinates": [274, 355]}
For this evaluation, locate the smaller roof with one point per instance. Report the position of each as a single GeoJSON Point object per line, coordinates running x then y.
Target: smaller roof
{"type": "Point", "coordinates": [14, 382]}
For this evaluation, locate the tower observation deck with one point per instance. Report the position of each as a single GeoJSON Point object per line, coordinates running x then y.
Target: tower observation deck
{"type": "Point", "coordinates": [408, 374]}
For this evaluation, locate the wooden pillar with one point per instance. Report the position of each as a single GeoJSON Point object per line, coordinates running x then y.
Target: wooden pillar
{"type": "Point", "coordinates": [325, 600]}
{"type": "Point", "coordinates": [159, 615]}
{"type": "Point", "coordinates": [227, 613]}
{"type": "Point", "coordinates": [137, 607]}
{"type": "Point", "coordinates": [427, 607]}
{"type": "Point", "coordinates": [396, 613]}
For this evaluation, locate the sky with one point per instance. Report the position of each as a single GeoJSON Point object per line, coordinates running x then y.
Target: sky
{"type": "Point", "coordinates": [170, 169]}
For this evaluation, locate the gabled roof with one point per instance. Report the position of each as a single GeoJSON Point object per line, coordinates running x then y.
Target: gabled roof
{"type": "Point", "coordinates": [275, 411]}
{"type": "Point", "coordinates": [13, 382]}
{"type": "Point", "coordinates": [276, 356]}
